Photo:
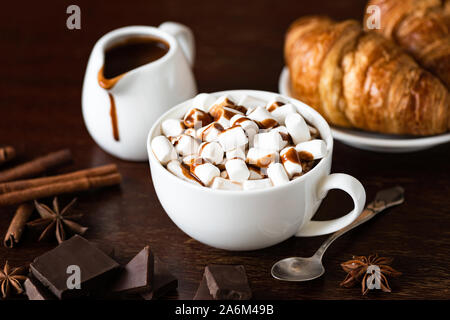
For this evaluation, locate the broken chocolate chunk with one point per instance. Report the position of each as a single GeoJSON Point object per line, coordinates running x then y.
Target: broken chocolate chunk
{"type": "Point", "coordinates": [163, 282]}
{"type": "Point", "coordinates": [137, 276]}
{"type": "Point", "coordinates": [203, 291]}
{"type": "Point", "coordinates": [74, 268]}
{"type": "Point", "coordinates": [36, 291]}
{"type": "Point", "coordinates": [227, 282]}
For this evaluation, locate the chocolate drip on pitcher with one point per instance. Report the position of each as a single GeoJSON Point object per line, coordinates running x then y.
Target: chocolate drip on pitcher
{"type": "Point", "coordinates": [109, 84]}
{"type": "Point", "coordinates": [113, 114]}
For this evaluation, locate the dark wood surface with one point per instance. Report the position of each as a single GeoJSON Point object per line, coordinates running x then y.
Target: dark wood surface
{"type": "Point", "coordinates": [239, 46]}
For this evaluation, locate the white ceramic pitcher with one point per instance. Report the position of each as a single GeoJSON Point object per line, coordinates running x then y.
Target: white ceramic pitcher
{"type": "Point", "coordinates": [118, 119]}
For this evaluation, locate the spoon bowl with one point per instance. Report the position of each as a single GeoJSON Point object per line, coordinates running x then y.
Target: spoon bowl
{"type": "Point", "coordinates": [304, 269]}
{"type": "Point", "coordinates": [298, 269]}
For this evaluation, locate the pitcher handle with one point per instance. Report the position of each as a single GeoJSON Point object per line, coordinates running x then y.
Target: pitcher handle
{"type": "Point", "coordinates": [336, 181]}
{"type": "Point", "coordinates": [184, 36]}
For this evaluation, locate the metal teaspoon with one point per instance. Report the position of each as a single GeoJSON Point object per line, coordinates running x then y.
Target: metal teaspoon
{"type": "Point", "coordinates": [304, 269]}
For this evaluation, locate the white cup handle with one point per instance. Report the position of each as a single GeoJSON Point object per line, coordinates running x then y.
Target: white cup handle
{"type": "Point", "coordinates": [336, 181]}
{"type": "Point", "coordinates": [184, 36]}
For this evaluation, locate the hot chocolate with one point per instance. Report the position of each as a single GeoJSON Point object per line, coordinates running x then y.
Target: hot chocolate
{"type": "Point", "coordinates": [239, 146]}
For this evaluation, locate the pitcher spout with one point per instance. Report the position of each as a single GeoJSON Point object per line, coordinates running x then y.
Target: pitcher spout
{"type": "Point", "coordinates": [106, 83]}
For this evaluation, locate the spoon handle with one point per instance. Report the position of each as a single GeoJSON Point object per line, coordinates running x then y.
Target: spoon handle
{"type": "Point", "coordinates": [368, 213]}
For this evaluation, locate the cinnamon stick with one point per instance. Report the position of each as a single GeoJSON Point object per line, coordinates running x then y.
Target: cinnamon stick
{"type": "Point", "coordinates": [6, 154]}
{"type": "Point", "coordinates": [30, 183]}
{"type": "Point", "coordinates": [57, 188]}
{"type": "Point", "coordinates": [17, 225]}
{"type": "Point", "coordinates": [36, 166]}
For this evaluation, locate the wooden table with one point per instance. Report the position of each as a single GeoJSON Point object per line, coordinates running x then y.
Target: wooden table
{"type": "Point", "coordinates": [239, 45]}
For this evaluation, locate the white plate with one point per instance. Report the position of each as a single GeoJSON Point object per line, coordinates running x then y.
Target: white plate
{"type": "Point", "coordinates": [369, 140]}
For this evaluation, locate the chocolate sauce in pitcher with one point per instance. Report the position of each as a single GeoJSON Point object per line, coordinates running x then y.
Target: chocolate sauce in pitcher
{"type": "Point", "coordinates": [123, 57]}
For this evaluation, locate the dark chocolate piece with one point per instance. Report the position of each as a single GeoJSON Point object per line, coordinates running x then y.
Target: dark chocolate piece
{"type": "Point", "coordinates": [203, 291]}
{"type": "Point", "coordinates": [227, 282]}
{"type": "Point", "coordinates": [137, 276]}
{"type": "Point", "coordinates": [163, 282]}
{"type": "Point", "coordinates": [36, 291]}
{"type": "Point", "coordinates": [96, 268]}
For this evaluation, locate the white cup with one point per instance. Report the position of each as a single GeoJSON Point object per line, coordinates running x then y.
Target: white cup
{"type": "Point", "coordinates": [142, 94]}
{"type": "Point", "coordinates": [254, 219]}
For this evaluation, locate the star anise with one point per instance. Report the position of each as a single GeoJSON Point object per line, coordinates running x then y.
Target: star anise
{"type": "Point", "coordinates": [358, 267]}
{"type": "Point", "coordinates": [11, 280]}
{"type": "Point", "coordinates": [56, 221]}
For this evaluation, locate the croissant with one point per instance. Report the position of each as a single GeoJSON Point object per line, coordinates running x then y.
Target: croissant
{"type": "Point", "coordinates": [421, 27]}
{"type": "Point", "coordinates": [360, 79]}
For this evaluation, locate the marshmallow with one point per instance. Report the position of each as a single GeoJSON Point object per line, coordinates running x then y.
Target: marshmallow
{"type": "Point", "coordinates": [256, 173]}
{"type": "Point", "coordinates": [282, 130]}
{"type": "Point", "coordinates": [224, 174]}
{"type": "Point", "coordinates": [263, 118]}
{"type": "Point", "coordinates": [244, 122]}
{"type": "Point", "coordinates": [250, 127]}
{"type": "Point", "coordinates": [163, 149]}
{"type": "Point", "coordinates": [273, 105]}
{"type": "Point", "coordinates": [256, 184]}
{"type": "Point", "coordinates": [277, 174]}
{"type": "Point", "coordinates": [223, 115]}
{"type": "Point", "coordinates": [203, 101]}
{"type": "Point", "coordinates": [185, 145]}
{"type": "Point", "coordinates": [225, 184]}
{"type": "Point", "coordinates": [210, 132]}
{"type": "Point", "coordinates": [172, 127]}
{"type": "Point", "coordinates": [249, 110]}
{"type": "Point", "coordinates": [222, 101]}
{"type": "Point", "coordinates": [211, 151]}
{"type": "Point", "coordinates": [270, 140]}
{"type": "Point", "coordinates": [228, 103]}
{"type": "Point", "coordinates": [291, 161]}
{"type": "Point", "coordinates": [261, 157]}
{"type": "Point", "coordinates": [189, 160]}
{"type": "Point", "coordinates": [237, 169]}
{"type": "Point", "coordinates": [190, 132]}
{"type": "Point", "coordinates": [251, 102]}
{"type": "Point", "coordinates": [297, 128]}
{"type": "Point", "coordinates": [181, 172]}
{"type": "Point", "coordinates": [276, 102]}
{"type": "Point", "coordinates": [206, 172]}
{"type": "Point", "coordinates": [196, 118]}
{"type": "Point", "coordinates": [232, 138]}
{"type": "Point", "coordinates": [282, 112]}
{"type": "Point", "coordinates": [312, 150]}
{"type": "Point", "coordinates": [238, 152]}
{"type": "Point", "coordinates": [224, 122]}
